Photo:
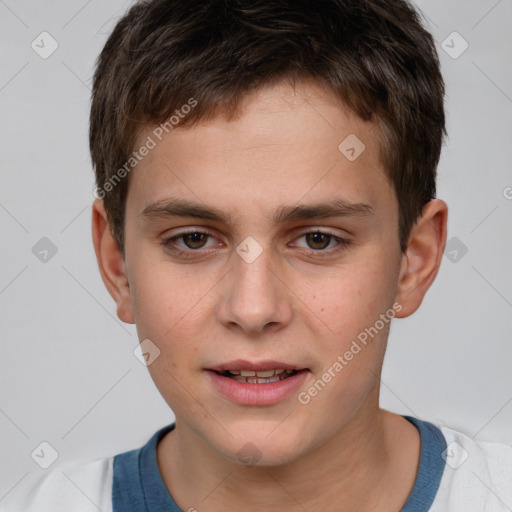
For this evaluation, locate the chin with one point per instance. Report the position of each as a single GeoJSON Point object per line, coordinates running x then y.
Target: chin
{"type": "Point", "coordinates": [263, 445]}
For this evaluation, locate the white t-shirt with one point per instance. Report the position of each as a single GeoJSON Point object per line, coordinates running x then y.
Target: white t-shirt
{"type": "Point", "coordinates": [455, 474]}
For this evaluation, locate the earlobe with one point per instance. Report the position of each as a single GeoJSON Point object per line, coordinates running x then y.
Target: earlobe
{"type": "Point", "coordinates": [111, 263]}
{"type": "Point", "coordinates": [422, 258]}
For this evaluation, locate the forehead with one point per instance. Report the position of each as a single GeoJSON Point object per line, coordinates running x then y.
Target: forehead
{"type": "Point", "coordinates": [286, 145]}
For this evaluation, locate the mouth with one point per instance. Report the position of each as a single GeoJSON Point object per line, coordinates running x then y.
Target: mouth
{"type": "Point", "coordinates": [258, 377]}
{"type": "Point", "coordinates": [264, 383]}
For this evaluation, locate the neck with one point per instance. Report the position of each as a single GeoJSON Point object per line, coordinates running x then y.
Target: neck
{"type": "Point", "coordinates": [371, 464]}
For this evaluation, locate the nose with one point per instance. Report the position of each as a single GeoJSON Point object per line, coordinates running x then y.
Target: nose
{"type": "Point", "coordinates": [255, 298]}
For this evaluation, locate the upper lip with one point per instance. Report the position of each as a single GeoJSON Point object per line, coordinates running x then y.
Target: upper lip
{"type": "Point", "coordinates": [241, 364]}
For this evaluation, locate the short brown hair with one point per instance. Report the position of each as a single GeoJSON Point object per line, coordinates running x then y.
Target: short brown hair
{"type": "Point", "coordinates": [373, 54]}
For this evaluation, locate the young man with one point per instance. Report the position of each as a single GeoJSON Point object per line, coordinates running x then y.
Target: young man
{"type": "Point", "coordinates": [266, 206]}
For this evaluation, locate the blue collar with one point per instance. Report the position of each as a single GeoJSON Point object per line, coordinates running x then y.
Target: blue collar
{"type": "Point", "coordinates": [431, 467]}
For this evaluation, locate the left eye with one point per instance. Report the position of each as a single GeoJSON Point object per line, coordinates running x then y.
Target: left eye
{"type": "Point", "coordinates": [195, 240]}
{"type": "Point", "coordinates": [318, 240]}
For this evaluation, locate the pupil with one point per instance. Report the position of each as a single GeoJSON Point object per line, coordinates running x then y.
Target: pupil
{"type": "Point", "coordinates": [315, 240]}
{"type": "Point", "coordinates": [195, 240]}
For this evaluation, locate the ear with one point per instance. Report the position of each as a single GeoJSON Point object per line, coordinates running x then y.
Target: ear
{"type": "Point", "coordinates": [422, 258]}
{"type": "Point", "coordinates": [111, 263]}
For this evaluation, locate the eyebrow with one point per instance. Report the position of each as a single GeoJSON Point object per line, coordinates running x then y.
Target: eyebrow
{"type": "Point", "coordinates": [175, 207]}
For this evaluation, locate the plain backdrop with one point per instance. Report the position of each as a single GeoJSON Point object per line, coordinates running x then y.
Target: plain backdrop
{"type": "Point", "coordinates": [68, 375]}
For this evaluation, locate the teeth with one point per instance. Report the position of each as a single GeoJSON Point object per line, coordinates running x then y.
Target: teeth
{"type": "Point", "coordinates": [259, 377]}
{"type": "Point", "coordinates": [265, 374]}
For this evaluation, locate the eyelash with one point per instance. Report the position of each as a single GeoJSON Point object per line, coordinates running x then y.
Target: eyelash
{"type": "Point", "coordinates": [191, 253]}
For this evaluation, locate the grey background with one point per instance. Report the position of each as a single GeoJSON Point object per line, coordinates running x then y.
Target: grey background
{"type": "Point", "coordinates": [68, 375]}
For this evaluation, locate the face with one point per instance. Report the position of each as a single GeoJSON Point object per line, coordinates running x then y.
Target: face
{"type": "Point", "coordinates": [258, 245]}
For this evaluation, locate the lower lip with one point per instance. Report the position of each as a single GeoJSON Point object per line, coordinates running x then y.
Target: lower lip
{"type": "Point", "coordinates": [257, 394]}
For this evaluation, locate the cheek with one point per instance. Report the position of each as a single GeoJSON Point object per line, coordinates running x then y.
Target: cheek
{"type": "Point", "coordinates": [167, 299]}
{"type": "Point", "coordinates": [170, 309]}
{"type": "Point", "coordinates": [352, 350]}
{"type": "Point", "coordinates": [352, 299]}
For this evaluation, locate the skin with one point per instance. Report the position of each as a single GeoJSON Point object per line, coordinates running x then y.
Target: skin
{"type": "Point", "coordinates": [295, 303]}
